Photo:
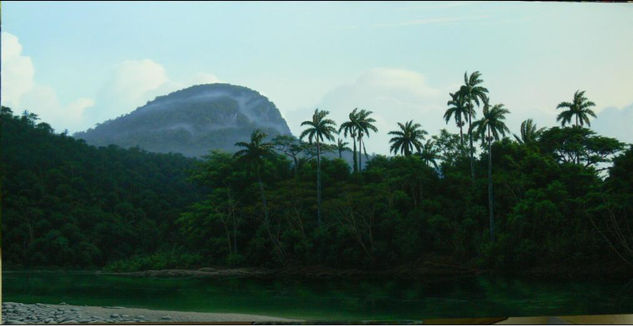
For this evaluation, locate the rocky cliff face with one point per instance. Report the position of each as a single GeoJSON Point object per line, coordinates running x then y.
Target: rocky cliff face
{"type": "Point", "coordinates": [192, 121]}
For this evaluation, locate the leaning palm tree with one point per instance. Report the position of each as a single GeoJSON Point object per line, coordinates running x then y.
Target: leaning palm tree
{"type": "Point", "coordinates": [349, 128]}
{"type": "Point", "coordinates": [579, 109]}
{"type": "Point", "coordinates": [529, 133]}
{"type": "Point", "coordinates": [253, 154]}
{"type": "Point", "coordinates": [430, 153]}
{"type": "Point", "coordinates": [364, 125]}
{"type": "Point", "coordinates": [472, 92]}
{"type": "Point", "coordinates": [489, 128]}
{"type": "Point", "coordinates": [458, 109]}
{"type": "Point", "coordinates": [341, 146]}
{"type": "Point", "coordinates": [319, 128]}
{"type": "Point", "coordinates": [408, 137]}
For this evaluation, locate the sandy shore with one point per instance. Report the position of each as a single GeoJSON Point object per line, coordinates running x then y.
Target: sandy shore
{"type": "Point", "coordinates": [18, 313]}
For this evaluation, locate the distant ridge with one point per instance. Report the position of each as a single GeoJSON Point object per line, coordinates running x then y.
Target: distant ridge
{"type": "Point", "coordinates": [192, 121]}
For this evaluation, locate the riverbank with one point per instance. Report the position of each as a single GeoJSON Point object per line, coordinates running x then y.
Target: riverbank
{"type": "Point", "coordinates": [427, 269]}
{"type": "Point", "coordinates": [19, 313]}
{"type": "Point", "coordinates": [434, 271]}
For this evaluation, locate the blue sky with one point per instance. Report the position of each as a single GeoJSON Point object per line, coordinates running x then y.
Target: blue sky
{"type": "Point", "coordinates": [77, 64]}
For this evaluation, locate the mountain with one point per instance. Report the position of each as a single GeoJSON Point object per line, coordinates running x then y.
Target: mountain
{"type": "Point", "coordinates": [192, 121]}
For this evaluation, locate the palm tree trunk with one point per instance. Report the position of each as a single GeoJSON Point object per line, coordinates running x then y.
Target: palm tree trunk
{"type": "Point", "coordinates": [366, 156]}
{"type": "Point", "coordinates": [470, 134]}
{"type": "Point", "coordinates": [577, 152]}
{"type": "Point", "coordinates": [360, 154]}
{"type": "Point", "coordinates": [340, 155]}
{"type": "Point", "coordinates": [490, 199]}
{"type": "Point", "coordinates": [318, 183]}
{"type": "Point", "coordinates": [355, 160]}
{"type": "Point", "coordinates": [461, 136]}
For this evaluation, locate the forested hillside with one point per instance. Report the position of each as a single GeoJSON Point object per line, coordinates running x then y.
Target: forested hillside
{"type": "Point", "coordinates": [279, 203]}
{"type": "Point", "coordinates": [71, 205]}
{"type": "Point", "coordinates": [191, 121]}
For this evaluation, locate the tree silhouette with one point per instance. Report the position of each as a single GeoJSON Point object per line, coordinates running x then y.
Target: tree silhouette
{"type": "Point", "coordinates": [341, 146]}
{"type": "Point", "coordinates": [319, 128]}
{"type": "Point", "coordinates": [408, 137]}
{"type": "Point", "coordinates": [490, 127]}
{"type": "Point", "coordinates": [459, 110]}
{"type": "Point", "coordinates": [579, 109]}
{"type": "Point", "coordinates": [349, 127]}
{"type": "Point", "coordinates": [472, 92]}
{"type": "Point", "coordinates": [529, 133]}
{"type": "Point", "coordinates": [364, 125]}
{"type": "Point", "coordinates": [253, 154]}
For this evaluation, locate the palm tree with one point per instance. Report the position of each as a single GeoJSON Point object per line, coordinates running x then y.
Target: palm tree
{"type": "Point", "coordinates": [430, 153]}
{"type": "Point", "coordinates": [364, 125]}
{"type": "Point", "coordinates": [341, 146]}
{"type": "Point", "coordinates": [253, 154]}
{"type": "Point", "coordinates": [579, 109]}
{"type": "Point", "coordinates": [459, 110]}
{"type": "Point", "coordinates": [472, 92]}
{"type": "Point", "coordinates": [318, 129]}
{"type": "Point", "coordinates": [408, 137]}
{"type": "Point", "coordinates": [529, 133]}
{"type": "Point", "coordinates": [489, 128]}
{"type": "Point", "coordinates": [349, 128]}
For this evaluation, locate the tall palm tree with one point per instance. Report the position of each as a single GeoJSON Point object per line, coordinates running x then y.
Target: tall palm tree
{"type": "Point", "coordinates": [341, 146]}
{"type": "Point", "coordinates": [364, 125]}
{"type": "Point", "coordinates": [319, 128]}
{"type": "Point", "coordinates": [408, 137]}
{"type": "Point", "coordinates": [459, 110]}
{"type": "Point", "coordinates": [489, 128]}
{"type": "Point", "coordinates": [529, 133]}
{"type": "Point", "coordinates": [579, 109]}
{"type": "Point", "coordinates": [472, 92]}
{"type": "Point", "coordinates": [349, 128]}
{"type": "Point", "coordinates": [430, 153]}
{"type": "Point", "coordinates": [253, 154]}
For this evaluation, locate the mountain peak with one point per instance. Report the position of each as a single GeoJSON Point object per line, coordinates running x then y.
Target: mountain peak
{"type": "Point", "coordinates": [192, 121]}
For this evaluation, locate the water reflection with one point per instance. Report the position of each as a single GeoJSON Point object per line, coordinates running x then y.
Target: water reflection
{"type": "Point", "coordinates": [329, 299]}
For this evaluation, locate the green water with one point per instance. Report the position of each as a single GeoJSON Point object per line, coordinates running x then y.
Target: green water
{"type": "Point", "coordinates": [327, 299]}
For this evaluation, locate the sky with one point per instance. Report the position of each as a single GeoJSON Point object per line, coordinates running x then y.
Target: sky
{"type": "Point", "coordinates": [76, 64]}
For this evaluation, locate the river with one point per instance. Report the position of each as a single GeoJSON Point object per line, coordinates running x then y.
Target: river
{"type": "Point", "coordinates": [341, 300]}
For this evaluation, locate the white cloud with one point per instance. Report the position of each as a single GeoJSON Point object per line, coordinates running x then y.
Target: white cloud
{"type": "Point", "coordinates": [615, 122]}
{"type": "Point", "coordinates": [126, 88]}
{"type": "Point", "coordinates": [17, 71]}
{"type": "Point", "coordinates": [394, 95]}
{"type": "Point", "coordinates": [130, 84]}
{"type": "Point", "coordinates": [132, 79]}
{"type": "Point", "coordinates": [133, 83]}
{"type": "Point", "coordinates": [20, 91]}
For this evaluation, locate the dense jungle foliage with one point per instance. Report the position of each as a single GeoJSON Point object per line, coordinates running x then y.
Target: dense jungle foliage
{"type": "Point", "coordinates": [562, 198]}
{"type": "Point", "coordinates": [67, 204]}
